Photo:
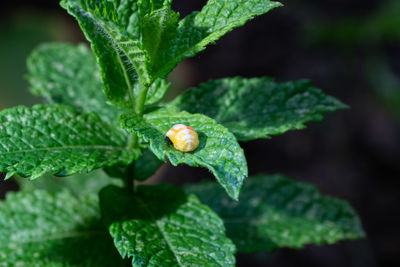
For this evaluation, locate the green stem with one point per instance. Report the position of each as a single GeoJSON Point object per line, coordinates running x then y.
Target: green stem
{"type": "Point", "coordinates": [133, 140]}
{"type": "Point", "coordinates": [142, 99]}
{"type": "Point", "coordinates": [137, 107]}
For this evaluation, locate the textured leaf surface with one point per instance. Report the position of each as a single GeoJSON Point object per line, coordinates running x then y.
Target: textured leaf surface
{"type": "Point", "coordinates": [158, 27]}
{"type": "Point", "coordinates": [155, 92]}
{"type": "Point", "coordinates": [68, 74]}
{"type": "Point", "coordinates": [123, 38]}
{"type": "Point", "coordinates": [120, 56]}
{"type": "Point", "coordinates": [275, 211]}
{"type": "Point", "coordinates": [199, 29]}
{"type": "Point", "coordinates": [161, 226]}
{"type": "Point", "coordinates": [218, 149]}
{"type": "Point", "coordinates": [144, 40]}
{"type": "Point", "coordinates": [57, 140]}
{"type": "Point", "coordinates": [258, 107]}
{"type": "Point", "coordinates": [42, 229]}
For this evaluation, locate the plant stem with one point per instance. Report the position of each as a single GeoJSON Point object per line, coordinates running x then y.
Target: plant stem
{"type": "Point", "coordinates": [133, 140]}
{"type": "Point", "coordinates": [142, 99]}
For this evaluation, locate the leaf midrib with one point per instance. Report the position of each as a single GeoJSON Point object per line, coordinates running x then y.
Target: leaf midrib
{"type": "Point", "coordinates": [214, 34]}
{"type": "Point", "coordinates": [145, 207]}
{"type": "Point", "coordinates": [117, 50]}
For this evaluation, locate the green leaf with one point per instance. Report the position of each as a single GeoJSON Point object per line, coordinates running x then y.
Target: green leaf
{"type": "Point", "coordinates": [258, 107]}
{"type": "Point", "coordinates": [158, 27]}
{"type": "Point", "coordinates": [68, 74]}
{"type": "Point", "coordinates": [43, 229]}
{"type": "Point", "coordinates": [155, 92]}
{"type": "Point", "coordinates": [275, 211]}
{"type": "Point", "coordinates": [161, 226]}
{"type": "Point", "coordinates": [125, 36]}
{"type": "Point", "coordinates": [218, 150]}
{"type": "Point", "coordinates": [121, 58]}
{"type": "Point", "coordinates": [146, 166]}
{"type": "Point", "coordinates": [57, 140]}
{"type": "Point", "coordinates": [144, 40]}
{"type": "Point", "coordinates": [199, 29]}
{"type": "Point", "coordinates": [78, 184]}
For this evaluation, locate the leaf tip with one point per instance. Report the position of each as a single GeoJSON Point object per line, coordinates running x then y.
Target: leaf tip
{"type": "Point", "coordinates": [234, 194]}
{"type": "Point", "coordinates": [343, 106]}
{"type": "Point", "coordinates": [8, 175]}
{"type": "Point", "coordinates": [274, 4]}
{"type": "Point", "coordinates": [64, 4]}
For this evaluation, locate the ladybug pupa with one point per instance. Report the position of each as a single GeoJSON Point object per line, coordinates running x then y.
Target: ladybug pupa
{"type": "Point", "coordinates": [184, 138]}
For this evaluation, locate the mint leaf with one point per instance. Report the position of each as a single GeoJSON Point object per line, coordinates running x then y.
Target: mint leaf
{"type": "Point", "coordinates": [146, 166]}
{"type": "Point", "coordinates": [161, 226]}
{"type": "Point", "coordinates": [199, 29]}
{"type": "Point", "coordinates": [144, 40]}
{"type": "Point", "coordinates": [276, 211]}
{"type": "Point", "coordinates": [218, 150]}
{"type": "Point", "coordinates": [120, 55]}
{"type": "Point", "coordinates": [158, 26]}
{"type": "Point", "coordinates": [143, 168]}
{"type": "Point", "coordinates": [125, 37]}
{"type": "Point", "coordinates": [68, 74]}
{"type": "Point", "coordinates": [155, 92]}
{"type": "Point", "coordinates": [57, 140]}
{"type": "Point", "coordinates": [43, 229]}
{"type": "Point", "coordinates": [258, 107]}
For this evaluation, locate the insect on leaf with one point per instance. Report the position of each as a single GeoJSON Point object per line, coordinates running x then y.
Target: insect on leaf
{"type": "Point", "coordinates": [218, 150]}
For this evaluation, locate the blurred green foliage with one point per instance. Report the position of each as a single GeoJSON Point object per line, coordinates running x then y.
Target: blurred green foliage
{"type": "Point", "coordinates": [367, 35]}
{"type": "Point", "coordinates": [19, 34]}
{"type": "Point", "coordinates": [382, 25]}
{"type": "Point", "coordinates": [384, 82]}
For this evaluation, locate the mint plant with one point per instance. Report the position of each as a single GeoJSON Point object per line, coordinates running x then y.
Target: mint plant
{"type": "Point", "coordinates": [105, 112]}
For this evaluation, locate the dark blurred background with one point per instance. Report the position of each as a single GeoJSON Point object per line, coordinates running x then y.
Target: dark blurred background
{"type": "Point", "coordinates": [349, 48]}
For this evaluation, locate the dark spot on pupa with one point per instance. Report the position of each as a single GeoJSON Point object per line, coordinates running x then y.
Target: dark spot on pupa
{"type": "Point", "coordinates": [168, 140]}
